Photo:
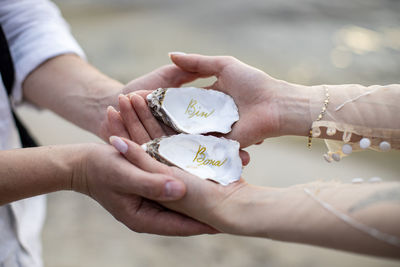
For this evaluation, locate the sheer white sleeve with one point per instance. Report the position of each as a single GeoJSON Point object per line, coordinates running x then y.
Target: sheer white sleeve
{"type": "Point", "coordinates": [370, 113]}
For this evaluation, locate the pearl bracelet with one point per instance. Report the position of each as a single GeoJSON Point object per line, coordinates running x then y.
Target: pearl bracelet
{"type": "Point", "coordinates": [321, 114]}
{"type": "Point", "coordinates": [347, 149]}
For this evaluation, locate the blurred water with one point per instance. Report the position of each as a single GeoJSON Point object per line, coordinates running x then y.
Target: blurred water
{"type": "Point", "coordinates": [307, 41]}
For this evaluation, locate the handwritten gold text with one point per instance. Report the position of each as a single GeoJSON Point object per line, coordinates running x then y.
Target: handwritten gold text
{"type": "Point", "coordinates": [201, 159]}
{"type": "Point", "coordinates": [193, 109]}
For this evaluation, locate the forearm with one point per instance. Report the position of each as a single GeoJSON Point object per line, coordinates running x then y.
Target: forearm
{"type": "Point", "coordinates": [349, 109]}
{"type": "Point", "coordinates": [33, 171]}
{"type": "Point", "coordinates": [74, 89]}
{"type": "Point", "coordinates": [294, 215]}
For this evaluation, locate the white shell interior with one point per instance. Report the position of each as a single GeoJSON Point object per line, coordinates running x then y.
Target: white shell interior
{"type": "Point", "coordinates": [196, 110]}
{"type": "Point", "coordinates": [201, 155]}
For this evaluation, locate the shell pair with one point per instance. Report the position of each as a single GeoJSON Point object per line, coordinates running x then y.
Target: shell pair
{"type": "Point", "coordinates": [192, 112]}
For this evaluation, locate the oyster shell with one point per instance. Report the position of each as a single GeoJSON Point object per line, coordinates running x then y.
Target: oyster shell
{"type": "Point", "coordinates": [207, 157]}
{"type": "Point", "coordinates": [194, 110]}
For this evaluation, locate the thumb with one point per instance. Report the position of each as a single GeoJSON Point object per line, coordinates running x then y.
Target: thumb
{"type": "Point", "coordinates": [204, 65]}
{"type": "Point", "coordinates": [165, 76]}
{"type": "Point", "coordinates": [153, 180]}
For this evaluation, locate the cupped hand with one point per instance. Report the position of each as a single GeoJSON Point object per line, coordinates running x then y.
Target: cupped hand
{"type": "Point", "coordinates": [128, 192]}
{"type": "Point", "coordinates": [136, 122]}
{"type": "Point", "coordinates": [166, 76]}
{"type": "Point", "coordinates": [253, 91]}
{"type": "Point", "coordinates": [206, 201]}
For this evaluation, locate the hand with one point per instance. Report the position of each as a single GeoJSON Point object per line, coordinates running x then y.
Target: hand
{"type": "Point", "coordinates": [127, 191]}
{"type": "Point", "coordinates": [166, 76]}
{"type": "Point", "coordinates": [255, 94]}
{"type": "Point", "coordinates": [205, 200]}
{"type": "Point", "coordinates": [280, 213]}
{"type": "Point", "coordinates": [136, 122]}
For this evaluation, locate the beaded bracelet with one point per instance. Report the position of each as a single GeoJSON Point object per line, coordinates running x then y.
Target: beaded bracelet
{"type": "Point", "coordinates": [321, 114]}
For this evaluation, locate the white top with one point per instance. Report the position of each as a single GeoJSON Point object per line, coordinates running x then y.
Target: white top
{"type": "Point", "coordinates": [35, 31]}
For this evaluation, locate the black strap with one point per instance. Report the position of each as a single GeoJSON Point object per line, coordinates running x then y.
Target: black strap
{"type": "Point", "coordinates": [24, 135]}
{"type": "Point", "coordinates": [8, 77]}
{"type": "Point", "coordinates": [6, 66]}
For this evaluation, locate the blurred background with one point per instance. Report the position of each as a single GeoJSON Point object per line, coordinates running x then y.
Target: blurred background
{"type": "Point", "coordinates": [304, 41]}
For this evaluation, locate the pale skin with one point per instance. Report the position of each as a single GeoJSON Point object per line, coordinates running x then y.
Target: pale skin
{"type": "Point", "coordinates": [80, 93]}
{"type": "Point", "coordinates": [99, 172]}
{"type": "Point", "coordinates": [287, 214]}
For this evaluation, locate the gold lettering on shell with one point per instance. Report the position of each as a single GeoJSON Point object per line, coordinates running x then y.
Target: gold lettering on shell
{"type": "Point", "coordinates": [193, 109]}
{"type": "Point", "coordinates": [201, 158]}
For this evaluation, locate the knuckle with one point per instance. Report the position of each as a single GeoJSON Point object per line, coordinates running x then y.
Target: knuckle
{"type": "Point", "coordinates": [229, 59]}
{"type": "Point", "coordinates": [168, 171]}
{"type": "Point", "coordinates": [165, 68]}
{"type": "Point", "coordinates": [196, 65]}
{"type": "Point", "coordinates": [153, 189]}
{"type": "Point", "coordinates": [224, 61]}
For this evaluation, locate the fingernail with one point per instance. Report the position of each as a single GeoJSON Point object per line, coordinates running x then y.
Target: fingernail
{"type": "Point", "coordinates": [174, 189]}
{"type": "Point", "coordinates": [119, 144]}
{"type": "Point", "coordinates": [111, 108]}
{"type": "Point", "coordinates": [123, 96]}
{"type": "Point", "coordinates": [170, 54]}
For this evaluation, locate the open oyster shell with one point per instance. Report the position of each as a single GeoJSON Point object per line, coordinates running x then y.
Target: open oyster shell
{"type": "Point", "coordinates": [194, 110]}
{"type": "Point", "coordinates": [207, 157]}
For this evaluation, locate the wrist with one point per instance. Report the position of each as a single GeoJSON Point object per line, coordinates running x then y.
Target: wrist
{"type": "Point", "coordinates": [266, 212]}
{"type": "Point", "coordinates": [248, 212]}
{"type": "Point", "coordinates": [78, 179]}
{"type": "Point", "coordinates": [294, 108]}
{"type": "Point", "coordinates": [105, 93]}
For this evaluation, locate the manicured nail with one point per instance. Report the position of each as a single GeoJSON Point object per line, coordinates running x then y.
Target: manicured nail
{"type": "Point", "coordinates": [174, 189]}
{"type": "Point", "coordinates": [170, 54]}
{"type": "Point", "coordinates": [119, 144]}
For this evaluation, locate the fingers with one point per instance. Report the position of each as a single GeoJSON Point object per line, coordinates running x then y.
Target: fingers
{"type": "Point", "coordinates": [155, 220]}
{"type": "Point", "coordinates": [137, 156]}
{"type": "Point", "coordinates": [155, 186]}
{"type": "Point", "coordinates": [142, 93]}
{"type": "Point", "coordinates": [132, 122]}
{"type": "Point", "coordinates": [172, 76]}
{"type": "Point", "coordinates": [245, 157]}
{"type": "Point", "coordinates": [150, 123]}
{"type": "Point", "coordinates": [166, 76]}
{"type": "Point", "coordinates": [151, 179]}
{"type": "Point", "coordinates": [204, 65]}
{"type": "Point", "coordinates": [115, 125]}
